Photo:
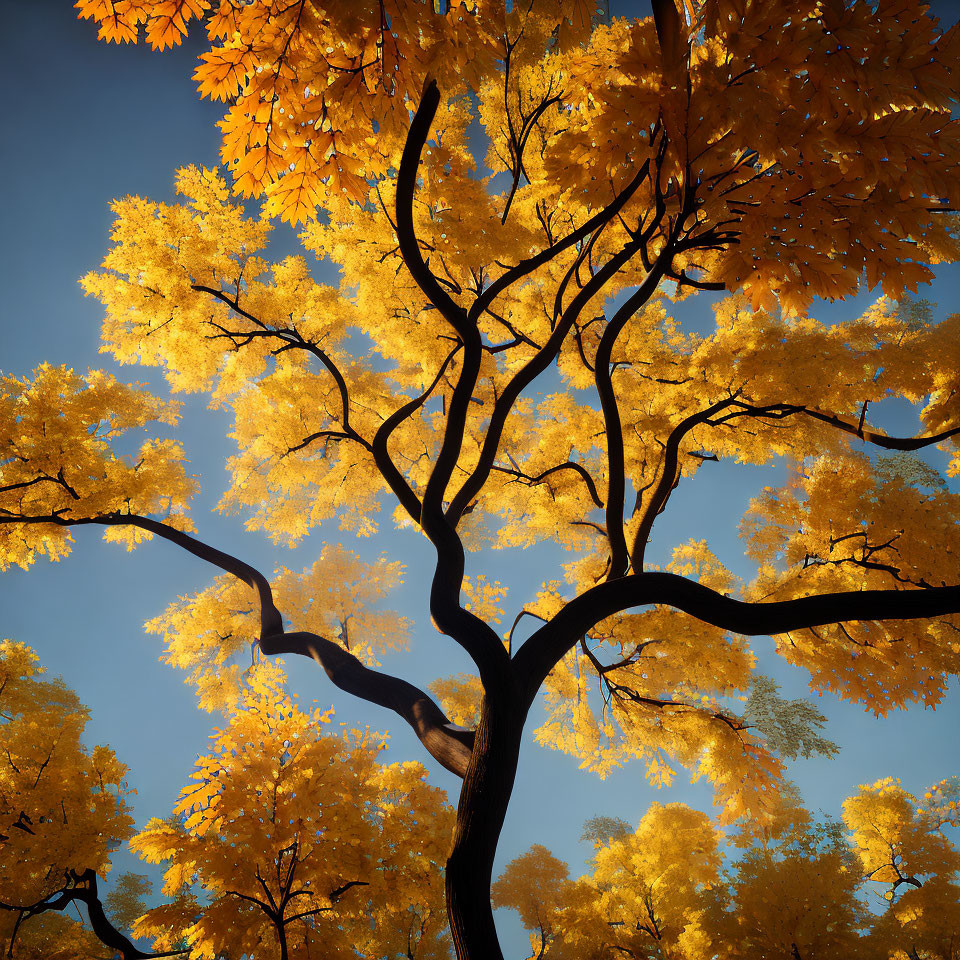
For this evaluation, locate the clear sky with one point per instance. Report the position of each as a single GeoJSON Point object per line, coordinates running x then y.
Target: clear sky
{"type": "Point", "coordinates": [85, 122]}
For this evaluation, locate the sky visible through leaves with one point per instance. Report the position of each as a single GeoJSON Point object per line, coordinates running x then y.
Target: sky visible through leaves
{"type": "Point", "coordinates": [89, 122]}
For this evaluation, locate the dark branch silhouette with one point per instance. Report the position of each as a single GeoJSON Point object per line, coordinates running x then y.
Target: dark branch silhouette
{"type": "Point", "coordinates": [546, 646]}
{"type": "Point", "coordinates": [447, 743]}
{"type": "Point", "coordinates": [82, 886]}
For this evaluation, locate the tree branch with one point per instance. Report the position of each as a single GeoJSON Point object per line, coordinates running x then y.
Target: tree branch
{"type": "Point", "coordinates": [406, 234]}
{"type": "Point", "coordinates": [292, 339]}
{"type": "Point", "coordinates": [527, 266]}
{"type": "Point", "coordinates": [84, 888]}
{"type": "Point", "coordinates": [381, 455]}
{"type": "Point", "coordinates": [668, 478]}
{"type": "Point", "coordinates": [547, 646]}
{"type": "Point", "coordinates": [742, 408]}
{"type": "Point", "coordinates": [616, 475]}
{"type": "Point", "coordinates": [540, 477]}
{"type": "Point", "coordinates": [877, 438]}
{"type": "Point", "coordinates": [445, 742]}
{"type": "Point", "coordinates": [476, 637]}
{"type": "Point", "coordinates": [527, 374]}
{"type": "Point", "coordinates": [335, 895]}
{"type": "Point", "coordinates": [448, 744]}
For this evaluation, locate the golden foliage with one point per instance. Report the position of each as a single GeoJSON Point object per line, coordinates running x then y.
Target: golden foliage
{"type": "Point", "coordinates": [286, 826]}
{"type": "Point", "coordinates": [57, 429]}
{"type": "Point", "coordinates": [336, 597]}
{"type": "Point", "coordinates": [63, 806]}
{"type": "Point", "coordinates": [773, 170]}
{"type": "Point", "coordinates": [676, 886]}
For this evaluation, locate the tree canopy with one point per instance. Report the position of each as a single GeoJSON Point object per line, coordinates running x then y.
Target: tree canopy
{"type": "Point", "coordinates": [799, 888]}
{"type": "Point", "coordinates": [780, 152]}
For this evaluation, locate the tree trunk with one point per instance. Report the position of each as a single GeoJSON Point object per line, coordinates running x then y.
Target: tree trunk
{"type": "Point", "coordinates": [480, 814]}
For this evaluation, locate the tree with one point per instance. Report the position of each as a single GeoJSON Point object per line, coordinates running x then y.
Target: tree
{"type": "Point", "coordinates": [301, 845]}
{"type": "Point", "coordinates": [903, 846]}
{"type": "Point", "coordinates": [126, 902]}
{"type": "Point", "coordinates": [796, 891]}
{"type": "Point", "coordinates": [64, 810]}
{"type": "Point", "coordinates": [796, 888]}
{"type": "Point", "coordinates": [536, 885]}
{"type": "Point", "coordinates": [689, 149]}
{"type": "Point", "coordinates": [643, 900]}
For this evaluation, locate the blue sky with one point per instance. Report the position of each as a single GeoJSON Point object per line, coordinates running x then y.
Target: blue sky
{"type": "Point", "coordinates": [91, 122]}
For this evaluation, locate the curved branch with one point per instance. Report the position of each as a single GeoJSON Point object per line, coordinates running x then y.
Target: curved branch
{"type": "Point", "coordinates": [579, 469]}
{"type": "Point", "coordinates": [476, 637]}
{"type": "Point", "coordinates": [668, 478]}
{"type": "Point", "coordinates": [448, 744]}
{"type": "Point", "coordinates": [781, 411]}
{"type": "Point", "coordinates": [527, 266]}
{"type": "Point", "coordinates": [616, 472]}
{"type": "Point", "coordinates": [445, 742]}
{"type": "Point", "coordinates": [546, 647]}
{"type": "Point", "coordinates": [742, 408]}
{"type": "Point", "coordinates": [406, 186]}
{"type": "Point", "coordinates": [335, 895]}
{"type": "Point", "coordinates": [293, 339]}
{"type": "Point", "coordinates": [517, 148]}
{"type": "Point", "coordinates": [876, 438]}
{"type": "Point", "coordinates": [265, 907]}
{"type": "Point", "coordinates": [527, 374]}
{"type": "Point", "coordinates": [42, 478]}
{"type": "Point", "coordinates": [319, 435]}
{"type": "Point", "coordinates": [381, 456]}
{"type": "Point", "coordinates": [84, 889]}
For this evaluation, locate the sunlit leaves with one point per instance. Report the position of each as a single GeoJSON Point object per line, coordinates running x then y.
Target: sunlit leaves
{"type": "Point", "coordinates": [841, 525]}
{"type": "Point", "coordinates": [656, 686]}
{"type": "Point", "coordinates": [306, 82]}
{"type": "Point", "coordinates": [776, 172]}
{"type": "Point", "coordinates": [289, 828]}
{"type": "Point", "coordinates": [63, 805]}
{"type": "Point", "coordinates": [644, 897]}
{"type": "Point", "coordinates": [460, 698]}
{"type": "Point", "coordinates": [796, 886]}
{"type": "Point", "coordinates": [799, 885]}
{"type": "Point", "coordinates": [59, 431]}
{"type": "Point", "coordinates": [214, 632]}
{"type": "Point", "coordinates": [787, 139]}
{"type": "Point", "coordinates": [535, 885]}
{"type": "Point", "coordinates": [898, 840]}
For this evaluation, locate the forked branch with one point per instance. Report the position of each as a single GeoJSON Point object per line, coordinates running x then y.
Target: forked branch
{"type": "Point", "coordinates": [449, 616]}
{"type": "Point", "coordinates": [669, 470]}
{"type": "Point", "coordinates": [737, 408]}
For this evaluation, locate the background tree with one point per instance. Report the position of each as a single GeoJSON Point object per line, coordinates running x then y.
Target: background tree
{"type": "Point", "coordinates": [906, 849]}
{"type": "Point", "coordinates": [643, 899]}
{"type": "Point", "coordinates": [796, 891]}
{"type": "Point", "coordinates": [795, 888]}
{"type": "Point", "coordinates": [64, 810]}
{"type": "Point", "coordinates": [537, 886]}
{"type": "Point", "coordinates": [293, 841]}
{"type": "Point", "coordinates": [126, 902]}
{"type": "Point", "coordinates": [688, 149]}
